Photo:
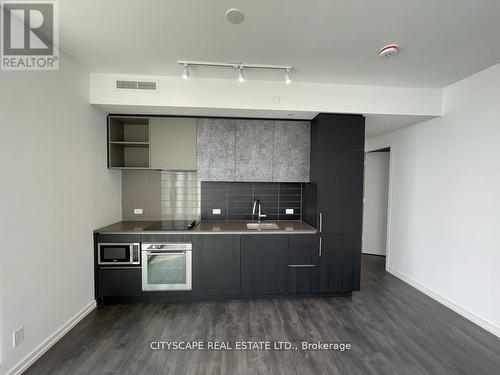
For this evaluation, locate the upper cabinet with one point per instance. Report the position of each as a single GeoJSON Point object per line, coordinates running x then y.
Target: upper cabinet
{"type": "Point", "coordinates": [173, 143]}
{"type": "Point", "coordinates": [216, 150]}
{"type": "Point", "coordinates": [338, 132]}
{"type": "Point", "coordinates": [253, 150]}
{"type": "Point", "coordinates": [136, 142]}
{"type": "Point", "coordinates": [291, 151]}
{"type": "Point", "coordinates": [219, 149]}
{"type": "Point", "coordinates": [128, 142]}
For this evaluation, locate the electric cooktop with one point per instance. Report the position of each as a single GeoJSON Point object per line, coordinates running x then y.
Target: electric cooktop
{"type": "Point", "coordinates": [172, 225]}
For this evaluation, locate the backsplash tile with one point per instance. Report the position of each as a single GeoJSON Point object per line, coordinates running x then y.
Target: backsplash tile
{"type": "Point", "coordinates": [165, 195]}
{"type": "Point", "coordinates": [162, 195]}
{"type": "Point", "coordinates": [235, 200]}
{"type": "Point", "coordinates": [180, 196]}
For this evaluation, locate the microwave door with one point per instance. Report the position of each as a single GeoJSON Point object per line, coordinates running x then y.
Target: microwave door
{"type": "Point", "coordinates": [118, 253]}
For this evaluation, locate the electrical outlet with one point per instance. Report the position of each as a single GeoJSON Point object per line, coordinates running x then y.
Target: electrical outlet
{"type": "Point", "coordinates": [137, 211]}
{"type": "Point", "coordinates": [17, 337]}
{"type": "Point", "coordinates": [216, 211]}
{"type": "Point", "coordinates": [289, 211]}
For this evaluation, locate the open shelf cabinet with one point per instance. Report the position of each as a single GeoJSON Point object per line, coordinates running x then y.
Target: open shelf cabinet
{"type": "Point", "coordinates": [128, 142]}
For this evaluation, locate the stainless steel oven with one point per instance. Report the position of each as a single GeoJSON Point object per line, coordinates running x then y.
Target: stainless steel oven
{"type": "Point", "coordinates": [166, 266]}
{"type": "Point", "coordinates": [118, 254]}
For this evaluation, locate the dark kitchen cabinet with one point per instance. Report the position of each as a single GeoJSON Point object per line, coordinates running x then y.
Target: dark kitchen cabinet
{"type": "Point", "coordinates": [216, 266]}
{"type": "Point", "coordinates": [340, 190]}
{"type": "Point", "coordinates": [337, 167]}
{"type": "Point", "coordinates": [338, 132]}
{"type": "Point", "coordinates": [264, 261]}
{"type": "Point", "coordinates": [333, 200]}
{"type": "Point", "coordinates": [303, 264]}
{"type": "Point", "coordinates": [119, 282]}
{"type": "Point", "coordinates": [340, 263]}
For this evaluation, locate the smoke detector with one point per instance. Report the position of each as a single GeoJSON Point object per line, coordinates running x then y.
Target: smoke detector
{"type": "Point", "coordinates": [389, 51]}
{"type": "Point", "coordinates": [234, 15]}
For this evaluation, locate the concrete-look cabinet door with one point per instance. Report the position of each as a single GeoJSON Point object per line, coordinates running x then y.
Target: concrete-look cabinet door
{"type": "Point", "coordinates": [254, 150]}
{"type": "Point", "coordinates": [291, 157]}
{"type": "Point", "coordinates": [216, 149]}
{"type": "Point", "coordinates": [173, 143]}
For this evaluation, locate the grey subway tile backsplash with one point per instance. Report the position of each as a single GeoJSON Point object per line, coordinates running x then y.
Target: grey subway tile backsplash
{"type": "Point", "coordinates": [162, 195]}
{"type": "Point", "coordinates": [235, 200]}
{"type": "Point", "coordinates": [166, 195]}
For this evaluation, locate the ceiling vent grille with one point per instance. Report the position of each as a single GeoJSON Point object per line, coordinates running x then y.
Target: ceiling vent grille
{"type": "Point", "coordinates": [136, 85]}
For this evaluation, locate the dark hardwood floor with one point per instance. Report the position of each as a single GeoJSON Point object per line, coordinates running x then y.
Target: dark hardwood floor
{"type": "Point", "coordinates": [393, 329]}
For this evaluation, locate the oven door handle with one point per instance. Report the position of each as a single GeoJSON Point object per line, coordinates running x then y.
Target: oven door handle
{"type": "Point", "coordinates": [160, 252]}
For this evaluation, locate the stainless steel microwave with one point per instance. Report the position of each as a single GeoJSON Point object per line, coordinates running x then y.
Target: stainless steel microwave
{"type": "Point", "coordinates": [118, 254]}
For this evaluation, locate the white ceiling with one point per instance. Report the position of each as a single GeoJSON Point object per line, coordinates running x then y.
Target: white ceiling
{"type": "Point", "coordinates": [334, 41]}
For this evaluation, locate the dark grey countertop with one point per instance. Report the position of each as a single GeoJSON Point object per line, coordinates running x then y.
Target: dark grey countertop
{"type": "Point", "coordinates": [209, 227]}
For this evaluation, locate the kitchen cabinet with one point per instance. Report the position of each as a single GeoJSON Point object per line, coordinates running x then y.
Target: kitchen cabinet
{"type": "Point", "coordinates": [340, 190]}
{"type": "Point", "coordinates": [128, 142]}
{"type": "Point", "coordinates": [264, 261]}
{"type": "Point", "coordinates": [336, 187]}
{"type": "Point", "coordinates": [254, 150]}
{"type": "Point", "coordinates": [291, 151]}
{"type": "Point", "coordinates": [118, 282]}
{"type": "Point", "coordinates": [303, 264]}
{"type": "Point", "coordinates": [340, 263]}
{"type": "Point", "coordinates": [166, 143]}
{"type": "Point", "coordinates": [216, 150]}
{"type": "Point", "coordinates": [173, 143]}
{"type": "Point", "coordinates": [333, 200]}
{"type": "Point", "coordinates": [216, 263]}
{"type": "Point", "coordinates": [338, 132]}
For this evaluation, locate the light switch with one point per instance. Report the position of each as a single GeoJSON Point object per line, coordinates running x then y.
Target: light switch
{"type": "Point", "coordinates": [137, 211]}
{"type": "Point", "coordinates": [289, 211]}
{"type": "Point", "coordinates": [216, 211]}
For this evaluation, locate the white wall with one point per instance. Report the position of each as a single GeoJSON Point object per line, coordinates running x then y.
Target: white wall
{"type": "Point", "coordinates": [175, 94]}
{"type": "Point", "coordinates": [375, 202]}
{"type": "Point", "coordinates": [445, 207]}
{"type": "Point", "coordinates": [55, 189]}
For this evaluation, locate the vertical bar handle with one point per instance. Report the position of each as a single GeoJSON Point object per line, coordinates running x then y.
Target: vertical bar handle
{"type": "Point", "coordinates": [320, 222]}
{"type": "Point", "coordinates": [320, 249]}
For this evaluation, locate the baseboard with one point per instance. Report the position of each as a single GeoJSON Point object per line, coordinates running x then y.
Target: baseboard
{"type": "Point", "coordinates": [51, 340]}
{"type": "Point", "coordinates": [483, 323]}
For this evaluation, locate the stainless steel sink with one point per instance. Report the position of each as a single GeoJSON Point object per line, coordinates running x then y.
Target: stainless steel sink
{"type": "Point", "coordinates": [263, 226]}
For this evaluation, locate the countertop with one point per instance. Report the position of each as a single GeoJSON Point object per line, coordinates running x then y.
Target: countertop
{"type": "Point", "coordinates": [209, 227]}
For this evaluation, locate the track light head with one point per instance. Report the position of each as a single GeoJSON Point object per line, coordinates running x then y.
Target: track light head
{"type": "Point", "coordinates": [288, 77]}
{"type": "Point", "coordinates": [241, 76]}
{"type": "Point", "coordinates": [185, 73]}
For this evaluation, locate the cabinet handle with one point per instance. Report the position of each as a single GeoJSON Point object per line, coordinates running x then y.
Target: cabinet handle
{"type": "Point", "coordinates": [301, 265]}
{"type": "Point", "coordinates": [320, 250]}
{"type": "Point", "coordinates": [320, 222]}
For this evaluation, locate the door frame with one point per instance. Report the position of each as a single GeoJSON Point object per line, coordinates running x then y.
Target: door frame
{"type": "Point", "coordinates": [391, 148]}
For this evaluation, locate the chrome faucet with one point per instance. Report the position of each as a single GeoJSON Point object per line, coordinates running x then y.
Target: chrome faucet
{"type": "Point", "coordinates": [257, 206]}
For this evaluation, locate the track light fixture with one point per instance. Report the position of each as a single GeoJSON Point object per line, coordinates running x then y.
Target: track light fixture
{"type": "Point", "coordinates": [185, 73]}
{"type": "Point", "coordinates": [288, 77]}
{"type": "Point", "coordinates": [239, 66]}
{"type": "Point", "coordinates": [241, 76]}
